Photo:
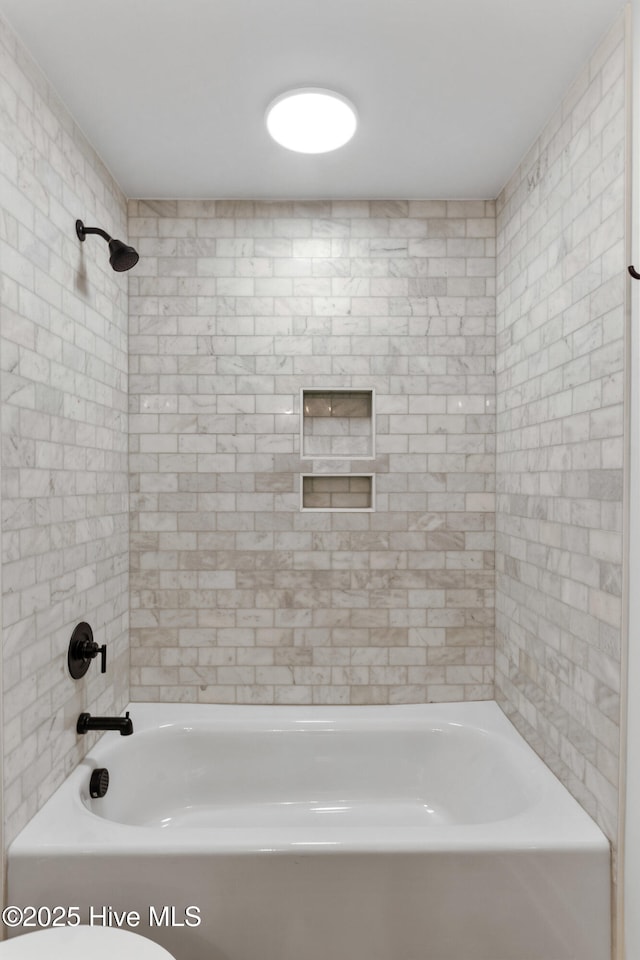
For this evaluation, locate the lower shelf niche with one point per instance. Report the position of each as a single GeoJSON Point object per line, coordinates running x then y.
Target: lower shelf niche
{"type": "Point", "coordinates": [337, 492]}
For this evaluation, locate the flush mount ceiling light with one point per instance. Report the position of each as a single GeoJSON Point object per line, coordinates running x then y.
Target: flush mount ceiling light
{"type": "Point", "coordinates": [311, 120]}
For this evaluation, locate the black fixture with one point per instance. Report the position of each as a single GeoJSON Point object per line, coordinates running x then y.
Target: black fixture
{"type": "Point", "coordinates": [634, 273]}
{"type": "Point", "coordinates": [122, 257]}
{"type": "Point", "coordinates": [86, 723]}
{"type": "Point", "coordinates": [99, 783]}
{"type": "Point", "coordinates": [82, 650]}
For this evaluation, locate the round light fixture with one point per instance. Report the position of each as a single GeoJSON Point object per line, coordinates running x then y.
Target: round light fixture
{"type": "Point", "coordinates": [311, 120]}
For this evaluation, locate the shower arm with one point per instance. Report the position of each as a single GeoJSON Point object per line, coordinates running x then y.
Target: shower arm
{"type": "Point", "coordinates": [82, 231]}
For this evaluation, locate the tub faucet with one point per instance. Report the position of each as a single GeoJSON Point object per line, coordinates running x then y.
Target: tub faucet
{"type": "Point", "coordinates": [86, 723]}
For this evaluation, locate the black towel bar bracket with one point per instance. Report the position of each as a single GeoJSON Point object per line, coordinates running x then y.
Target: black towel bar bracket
{"type": "Point", "coordinates": [634, 273]}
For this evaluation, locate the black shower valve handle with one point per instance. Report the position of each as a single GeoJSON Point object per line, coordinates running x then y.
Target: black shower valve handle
{"type": "Point", "coordinates": [82, 650]}
{"type": "Point", "coordinates": [103, 658]}
{"type": "Point", "coordinates": [90, 649]}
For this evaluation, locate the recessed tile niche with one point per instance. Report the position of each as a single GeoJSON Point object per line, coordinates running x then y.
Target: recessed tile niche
{"type": "Point", "coordinates": [347, 492]}
{"type": "Point", "coordinates": [337, 424]}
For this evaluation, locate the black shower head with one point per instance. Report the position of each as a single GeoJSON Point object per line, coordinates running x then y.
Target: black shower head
{"type": "Point", "coordinates": [122, 257]}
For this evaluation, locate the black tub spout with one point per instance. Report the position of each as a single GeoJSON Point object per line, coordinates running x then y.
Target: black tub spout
{"type": "Point", "coordinates": [86, 723]}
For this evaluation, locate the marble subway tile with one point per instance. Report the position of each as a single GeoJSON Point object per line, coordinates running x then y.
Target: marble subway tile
{"type": "Point", "coordinates": [317, 297]}
{"type": "Point", "coordinates": [64, 435]}
{"type": "Point", "coordinates": [559, 408]}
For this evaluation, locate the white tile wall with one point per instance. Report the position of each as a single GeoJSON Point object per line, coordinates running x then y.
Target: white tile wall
{"type": "Point", "coordinates": [64, 433]}
{"type": "Point", "coordinates": [560, 378]}
{"type": "Point", "coordinates": [236, 594]}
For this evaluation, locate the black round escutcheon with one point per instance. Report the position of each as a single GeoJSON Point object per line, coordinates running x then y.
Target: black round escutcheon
{"type": "Point", "coordinates": [99, 783]}
{"type": "Point", "coordinates": [77, 661]}
{"type": "Point", "coordinates": [82, 650]}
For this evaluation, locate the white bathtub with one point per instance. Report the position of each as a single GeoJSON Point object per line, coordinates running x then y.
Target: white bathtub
{"type": "Point", "coordinates": [426, 832]}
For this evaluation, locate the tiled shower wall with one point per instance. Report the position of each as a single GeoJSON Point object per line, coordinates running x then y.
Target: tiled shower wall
{"type": "Point", "coordinates": [237, 594]}
{"type": "Point", "coordinates": [560, 379]}
{"type": "Point", "coordinates": [64, 434]}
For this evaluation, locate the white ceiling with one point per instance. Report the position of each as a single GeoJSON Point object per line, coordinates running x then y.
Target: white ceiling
{"type": "Point", "coordinates": [172, 93]}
